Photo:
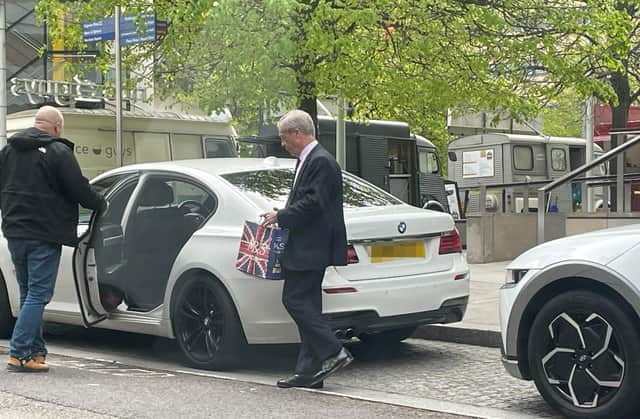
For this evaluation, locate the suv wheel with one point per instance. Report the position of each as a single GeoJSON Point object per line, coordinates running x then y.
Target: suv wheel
{"type": "Point", "coordinates": [584, 356]}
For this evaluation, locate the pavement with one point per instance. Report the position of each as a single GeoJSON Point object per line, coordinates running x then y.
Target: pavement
{"type": "Point", "coordinates": [481, 324]}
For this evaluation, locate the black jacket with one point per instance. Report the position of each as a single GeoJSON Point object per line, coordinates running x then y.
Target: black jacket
{"type": "Point", "coordinates": [41, 186]}
{"type": "Point", "coordinates": [314, 216]}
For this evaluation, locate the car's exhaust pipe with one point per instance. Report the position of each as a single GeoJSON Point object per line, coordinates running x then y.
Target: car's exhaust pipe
{"type": "Point", "coordinates": [345, 333]}
{"type": "Point", "coordinates": [348, 334]}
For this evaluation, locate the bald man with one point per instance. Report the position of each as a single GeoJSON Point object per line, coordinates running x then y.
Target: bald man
{"type": "Point", "coordinates": [41, 186]}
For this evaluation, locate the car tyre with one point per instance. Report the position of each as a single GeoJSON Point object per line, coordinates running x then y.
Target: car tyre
{"type": "Point", "coordinates": [6, 319]}
{"type": "Point", "coordinates": [388, 336]}
{"type": "Point", "coordinates": [584, 356]}
{"type": "Point", "coordinates": [206, 324]}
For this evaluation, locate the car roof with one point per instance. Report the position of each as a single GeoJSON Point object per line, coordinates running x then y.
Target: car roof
{"type": "Point", "coordinates": [214, 166]}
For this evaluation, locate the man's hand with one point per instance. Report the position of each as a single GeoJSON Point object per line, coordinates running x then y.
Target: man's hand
{"type": "Point", "coordinates": [269, 218]}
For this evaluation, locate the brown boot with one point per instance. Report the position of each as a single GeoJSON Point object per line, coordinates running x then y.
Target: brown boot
{"type": "Point", "coordinates": [26, 365]}
{"type": "Point", "coordinates": [40, 358]}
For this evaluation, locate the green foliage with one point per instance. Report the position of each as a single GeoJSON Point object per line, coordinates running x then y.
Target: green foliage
{"type": "Point", "coordinates": [404, 60]}
{"type": "Point", "coordinates": [563, 117]}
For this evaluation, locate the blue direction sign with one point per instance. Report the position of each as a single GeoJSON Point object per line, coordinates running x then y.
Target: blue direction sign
{"type": "Point", "coordinates": [99, 30]}
{"type": "Point", "coordinates": [130, 31]}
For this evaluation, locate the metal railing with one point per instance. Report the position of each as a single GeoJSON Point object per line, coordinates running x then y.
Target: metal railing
{"type": "Point", "coordinates": [619, 177]}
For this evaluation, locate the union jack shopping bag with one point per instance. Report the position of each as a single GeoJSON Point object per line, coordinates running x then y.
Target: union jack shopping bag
{"type": "Point", "coordinates": [260, 248]}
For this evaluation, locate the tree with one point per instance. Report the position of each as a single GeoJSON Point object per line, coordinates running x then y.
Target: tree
{"type": "Point", "coordinates": [590, 46]}
{"type": "Point", "coordinates": [392, 60]}
{"type": "Point", "coordinates": [564, 115]}
{"type": "Point", "coordinates": [406, 60]}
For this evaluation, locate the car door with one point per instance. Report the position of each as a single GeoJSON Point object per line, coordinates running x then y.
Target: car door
{"type": "Point", "coordinates": [100, 257]}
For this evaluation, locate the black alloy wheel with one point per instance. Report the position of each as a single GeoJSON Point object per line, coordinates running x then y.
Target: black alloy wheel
{"type": "Point", "coordinates": [584, 356]}
{"type": "Point", "coordinates": [6, 319]}
{"type": "Point", "coordinates": [205, 324]}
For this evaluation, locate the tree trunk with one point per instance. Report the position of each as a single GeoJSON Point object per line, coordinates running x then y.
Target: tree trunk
{"type": "Point", "coordinates": [305, 63]}
{"type": "Point", "coordinates": [310, 106]}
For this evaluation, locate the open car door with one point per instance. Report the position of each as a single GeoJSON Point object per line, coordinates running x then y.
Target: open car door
{"type": "Point", "coordinates": [100, 252]}
{"type": "Point", "coordinates": [85, 274]}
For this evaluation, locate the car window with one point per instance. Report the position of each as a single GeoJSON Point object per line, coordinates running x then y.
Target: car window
{"type": "Point", "coordinates": [102, 186]}
{"type": "Point", "coordinates": [273, 186]}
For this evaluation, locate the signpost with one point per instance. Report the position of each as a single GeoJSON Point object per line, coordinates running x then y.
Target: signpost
{"type": "Point", "coordinates": [130, 31]}
{"type": "Point", "coordinates": [124, 30]}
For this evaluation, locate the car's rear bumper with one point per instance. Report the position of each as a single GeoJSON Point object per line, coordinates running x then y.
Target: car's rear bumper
{"type": "Point", "coordinates": [367, 321]}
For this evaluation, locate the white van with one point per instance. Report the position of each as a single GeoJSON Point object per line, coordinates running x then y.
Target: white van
{"type": "Point", "coordinates": [147, 136]}
{"type": "Point", "coordinates": [502, 158]}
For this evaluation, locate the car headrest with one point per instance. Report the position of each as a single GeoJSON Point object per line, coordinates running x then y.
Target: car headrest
{"type": "Point", "coordinates": [156, 193]}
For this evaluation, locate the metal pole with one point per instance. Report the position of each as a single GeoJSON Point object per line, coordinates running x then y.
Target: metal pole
{"type": "Point", "coordinates": [118, 90]}
{"type": "Point", "coordinates": [541, 213]}
{"type": "Point", "coordinates": [341, 142]}
{"type": "Point", "coordinates": [588, 125]}
{"type": "Point", "coordinates": [3, 75]}
{"type": "Point", "coordinates": [620, 179]}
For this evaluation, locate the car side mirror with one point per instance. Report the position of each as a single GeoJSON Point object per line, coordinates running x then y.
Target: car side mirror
{"type": "Point", "coordinates": [452, 156]}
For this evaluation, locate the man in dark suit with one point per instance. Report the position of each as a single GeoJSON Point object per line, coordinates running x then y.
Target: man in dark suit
{"type": "Point", "coordinates": [317, 239]}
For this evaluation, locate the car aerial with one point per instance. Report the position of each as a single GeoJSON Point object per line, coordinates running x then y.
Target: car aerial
{"type": "Point", "coordinates": [569, 318]}
{"type": "Point", "coordinates": [162, 261]}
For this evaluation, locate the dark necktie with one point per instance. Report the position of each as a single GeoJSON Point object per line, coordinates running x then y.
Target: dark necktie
{"type": "Point", "coordinates": [293, 184]}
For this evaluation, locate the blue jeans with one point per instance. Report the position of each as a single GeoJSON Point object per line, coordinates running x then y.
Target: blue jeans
{"type": "Point", "coordinates": [36, 264]}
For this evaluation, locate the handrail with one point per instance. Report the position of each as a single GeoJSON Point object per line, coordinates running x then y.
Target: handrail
{"type": "Point", "coordinates": [590, 180]}
{"type": "Point", "coordinates": [574, 174]}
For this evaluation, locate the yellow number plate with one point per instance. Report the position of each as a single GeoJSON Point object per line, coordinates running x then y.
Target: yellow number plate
{"type": "Point", "coordinates": [385, 252]}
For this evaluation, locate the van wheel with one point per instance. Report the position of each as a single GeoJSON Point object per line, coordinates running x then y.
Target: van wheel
{"type": "Point", "coordinates": [388, 336]}
{"type": "Point", "coordinates": [206, 324]}
{"type": "Point", "coordinates": [584, 356]}
{"type": "Point", "coordinates": [6, 319]}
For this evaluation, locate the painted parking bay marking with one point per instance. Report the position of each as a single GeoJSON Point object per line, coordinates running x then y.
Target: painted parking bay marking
{"type": "Point", "coordinates": [115, 368]}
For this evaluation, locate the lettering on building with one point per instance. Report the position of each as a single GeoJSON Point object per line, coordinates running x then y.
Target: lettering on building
{"type": "Point", "coordinates": [64, 93]}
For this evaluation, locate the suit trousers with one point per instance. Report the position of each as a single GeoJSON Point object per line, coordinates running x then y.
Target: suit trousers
{"type": "Point", "coordinates": [302, 297]}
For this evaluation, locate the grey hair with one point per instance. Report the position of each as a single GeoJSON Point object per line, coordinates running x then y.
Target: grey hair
{"type": "Point", "coordinates": [297, 119]}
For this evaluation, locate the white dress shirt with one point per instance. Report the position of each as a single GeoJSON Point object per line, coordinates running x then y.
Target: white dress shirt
{"type": "Point", "coordinates": [303, 156]}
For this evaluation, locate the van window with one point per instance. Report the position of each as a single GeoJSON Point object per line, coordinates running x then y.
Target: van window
{"type": "Point", "coordinates": [186, 146]}
{"type": "Point", "coordinates": [151, 147]}
{"type": "Point", "coordinates": [427, 161]}
{"type": "Point", "coordinates": [558, 160]}
{"type": "Point", "coordinates": [522, 157]}
{"type": "Point", "coordinates": [219, 147]}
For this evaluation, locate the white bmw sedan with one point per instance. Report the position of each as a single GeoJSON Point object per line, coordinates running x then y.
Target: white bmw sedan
{"type": "Point", "coordinates": [570, 321]}
{"type": "Point", "coordinates": [161, 261]}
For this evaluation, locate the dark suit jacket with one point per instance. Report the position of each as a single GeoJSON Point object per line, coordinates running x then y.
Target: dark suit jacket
{"type": "Point", "coordinates": [314, 216]}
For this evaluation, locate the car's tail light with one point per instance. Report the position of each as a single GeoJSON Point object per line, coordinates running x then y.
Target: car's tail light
{"type": "Point", "coordinates": [352, 256]}
{"type": "Point", "coordinates": [450, 242]}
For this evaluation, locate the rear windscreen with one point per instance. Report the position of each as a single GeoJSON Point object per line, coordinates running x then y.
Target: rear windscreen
{"type": "Point", "coordinates": [273, 186]}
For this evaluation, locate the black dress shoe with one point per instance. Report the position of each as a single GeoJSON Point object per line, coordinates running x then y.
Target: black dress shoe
{"type": "Point", "coordinates": [299, 380]}
{"type": "Point", "coordinates": [332, 364]}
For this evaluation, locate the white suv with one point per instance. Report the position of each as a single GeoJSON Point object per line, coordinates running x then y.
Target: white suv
{"type": "Point", "coordinates": [570, 321]}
